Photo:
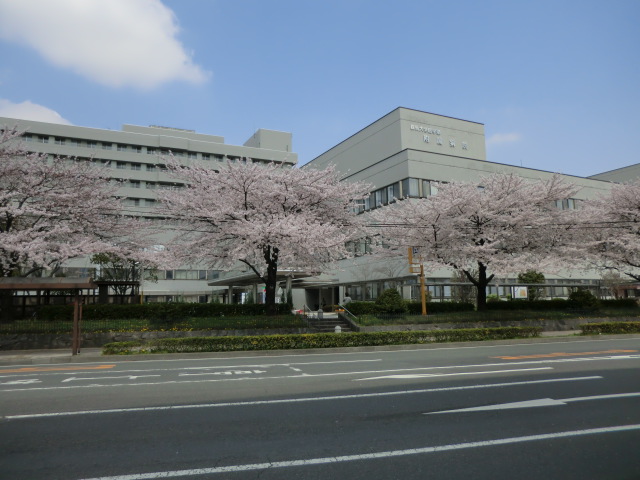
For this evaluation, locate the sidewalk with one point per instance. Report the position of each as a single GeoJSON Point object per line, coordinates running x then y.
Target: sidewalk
{"type": "Point", "coordinates": [90, 355]}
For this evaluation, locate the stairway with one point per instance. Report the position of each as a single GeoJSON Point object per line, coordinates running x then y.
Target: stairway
{"type": "Point", "coordinates": [328, 323]}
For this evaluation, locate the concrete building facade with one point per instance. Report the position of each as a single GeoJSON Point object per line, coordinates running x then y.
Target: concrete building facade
{"type": "Point", "coordinates": [404, 154]}
{"type": "Point", "coordinates": [134, 156]}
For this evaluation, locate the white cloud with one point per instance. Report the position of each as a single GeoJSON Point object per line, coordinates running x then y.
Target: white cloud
{"type": "Point", "coordinates": [114, 42]}
{"type": "Point", "coordinates": [30, 111]}
{"type": "Point", "coordinates": [502, 138]}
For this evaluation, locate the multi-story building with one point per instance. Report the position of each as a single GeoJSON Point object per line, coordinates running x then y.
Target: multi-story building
{"type": "Point", "coordinates": [405, 154]}
{"type": "Point", "coordinates": [134, 156]}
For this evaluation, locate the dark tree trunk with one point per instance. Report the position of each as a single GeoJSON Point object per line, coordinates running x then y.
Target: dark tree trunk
{"type": "Point", "coordinates": [481, 283]}
{"type": "Point", "coordinates": [271, 279]}
{"type": "Point", "coordinates": [6, 305]}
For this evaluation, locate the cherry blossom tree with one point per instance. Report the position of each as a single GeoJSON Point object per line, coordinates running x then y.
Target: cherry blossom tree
{"type": "Point", "coordinates": [502, 224]}
{"type": "Point", "coordinates": [611, 229]}
{"type": "Point", "coordinates": [54, 209]}
{"type": "Point", "coordinates": [263, 216]}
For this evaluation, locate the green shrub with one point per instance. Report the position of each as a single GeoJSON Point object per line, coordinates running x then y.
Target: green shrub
{"type": "Point", "coordinates": [610, 328]}
{"type": "Point", "coordinates": [362, 308]}
{"type": "Point", "coordinates": [583, 298]}
{"type": "Point", "coordinates": [619, 303]}
{"type": "Point", "coordinates": [390, 301]}
{"type": "Point", "coordinates": [319, 340]}
{"type": "Point", "coordinates": [415, 308]}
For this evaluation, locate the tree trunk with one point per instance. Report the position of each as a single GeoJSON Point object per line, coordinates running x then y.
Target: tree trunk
{"type": "Point", "coordinates": [271, 283]}
{"type": "Point", "coordinates": [6, 305]}
{"type": "Point", "coordinates": [481, 287]}
{"type": "Point", "coordinates": [481, 283]}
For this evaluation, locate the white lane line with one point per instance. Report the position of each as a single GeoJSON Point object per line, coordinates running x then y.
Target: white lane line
{"type": "Point", "coordinates": [371, 456]}
{"type": "Point", "coordinates": [427, 375]}
{"type": "Point", "coordinates": [303, 399]}
{"type": "Point", "coordinates": [538, 402]}
{"type": "Point", "coordinates": [130, 377]}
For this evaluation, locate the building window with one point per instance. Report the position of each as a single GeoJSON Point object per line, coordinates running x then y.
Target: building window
{"type": "Point", "coordinates": [43, 139]}
{"type": "Point", "coordinates": [192, 155]}
{"type": "Point", "coordinates": [219, 158]}
{"type": "Point", "coordinates": [75, 142]}
{"type": "Point", "coordinates": [27, 137]}
{"type": "Point", "coordinates": [151, 151]}
{"type": "Point", "coordinates": [380, 197]}
{"type": "Point", "coordinates": [410, 187]}
{"type": "Point", "coordinates": [135, 183]}
{"type": "Point", "coordinates": [107, 146]}
{"type": "Point", "coordinates": [150, 167]}
{"type": "Point", "coordinates": [150, 185]}
{"type": "Point", "coordinates": [206, 156]}
{"type": "Point", "coordinates": [60, 141]}
{"type": "Point", "coordinates": [393, 192]}
{"type": "Point", "coordinates": [136, 149]}
{"type": "Point", "coordinates": [92, 144]}
{"type": "Point", "coordinates": [122, 148]}
{"type": "Point", "coordinates": [121, 165]}
{"type": "Point", "coordinates": [135, 166]}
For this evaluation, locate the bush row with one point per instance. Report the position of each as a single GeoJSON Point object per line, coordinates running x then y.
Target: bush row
{"type": "Point", "coordinates": [610, 327]}
{"type": "Point", "coordinates": [318, 340]}
{"type": "Point", "coordinates": [156, 311]}
{"type": "Point", "coordinates": [371, 308]}
{"type": "Point", "coordinates": [560, 304]}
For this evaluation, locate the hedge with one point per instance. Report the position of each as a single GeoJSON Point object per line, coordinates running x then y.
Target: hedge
{"type": "Point", "coordinates": [610, 328]}
{"type": "Point", "coordinates": [158, 311]}
{"type": "Point", "coordinates": [317, 340]}
{"type": "Point", "coordinates": [560, 304]}
{"type": "Point", "coordinates": [370, 308]}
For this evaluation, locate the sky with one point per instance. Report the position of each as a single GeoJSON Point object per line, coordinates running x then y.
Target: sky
{"type": "Point", "coordinates": [556, 83]}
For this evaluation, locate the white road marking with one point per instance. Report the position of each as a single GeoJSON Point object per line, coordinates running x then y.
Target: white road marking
{"type": "Point", "coordinates": [540, 402]}
{"type": "Point", "coordinates": [206, 367]}
{"type": "Point", "coordinates": [25, 381]}
{"type": "Point", "coordinates": [426, 375]}
{"type": "Point", "coordinates": [305, 375]}
{"type": "Point", "coordinates": [303, 399]}
{"type": "Point", "coordinates": [224, 372]}
{"type": "Point", "coordinates": [370, 456]}
{"type": "Point", "coordinates": [130, 377]}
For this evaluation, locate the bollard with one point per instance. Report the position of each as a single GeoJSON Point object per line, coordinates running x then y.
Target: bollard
{"type": "Point", "coordinates": [338, 329]}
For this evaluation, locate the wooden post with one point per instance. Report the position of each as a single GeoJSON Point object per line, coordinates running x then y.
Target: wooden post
{"type": "Point", "coordinates": [77, 316]}
{"type": "Point", "coordinates": [422, 291]}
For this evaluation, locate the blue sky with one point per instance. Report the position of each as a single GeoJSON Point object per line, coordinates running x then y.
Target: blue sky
{"type": "Point", "coordinates": [556, 83]}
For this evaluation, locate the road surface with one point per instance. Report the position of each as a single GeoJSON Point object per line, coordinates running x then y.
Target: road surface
{"type": "Point", "coordinates": [552, 410]}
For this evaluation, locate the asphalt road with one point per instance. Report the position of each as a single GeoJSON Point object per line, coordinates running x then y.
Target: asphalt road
{"type": "Point", "coordinates": [560, 410]}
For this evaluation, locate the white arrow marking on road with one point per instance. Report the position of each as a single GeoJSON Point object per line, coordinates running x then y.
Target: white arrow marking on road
{"type": "Point", "coordinates": [21, 382]}
{"type": "Point", "coordinates": [228, 372]}
{"type": "Point", "coordinates": [130, 377]}
{"type": "Point", "coordinates": [540, 402]}
{"type": "Point", "coordinates": [427, 375]}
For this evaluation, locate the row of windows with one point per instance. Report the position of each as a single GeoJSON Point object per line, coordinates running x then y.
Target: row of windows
{"type": "Point", "coordinates": [409, 187]}
{"type": "Point", "coordinates": [420, 188]}
{"type": "Point", "coordinates": [188, 274]}
{"type": "Point", "coordinates": [120, 147]}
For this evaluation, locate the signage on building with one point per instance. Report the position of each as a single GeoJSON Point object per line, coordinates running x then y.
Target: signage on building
{"type": "Point", "coordinates": [434, 135]}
